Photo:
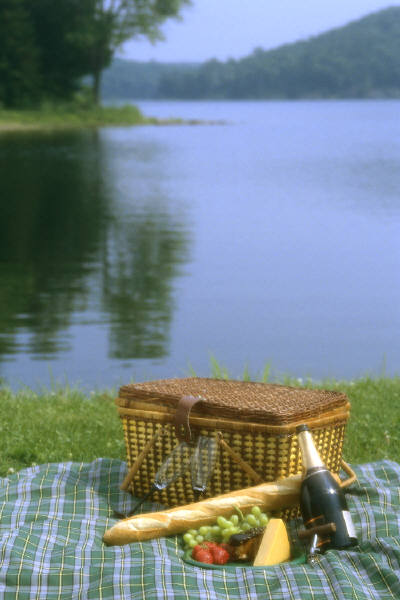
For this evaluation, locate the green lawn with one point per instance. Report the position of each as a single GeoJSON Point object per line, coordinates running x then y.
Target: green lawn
{"type": "Point", "coordinates": [73, 115]}
{"type": "Point", "coordinates": [64, 424]}
{"type": "Point", "coordinates": [70, 116]}
{"type": "Point", "coordinates": [76, 116]}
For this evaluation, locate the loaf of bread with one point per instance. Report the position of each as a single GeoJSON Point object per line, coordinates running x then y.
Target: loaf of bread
{"type": "Point", "coordinates": [277, 495]}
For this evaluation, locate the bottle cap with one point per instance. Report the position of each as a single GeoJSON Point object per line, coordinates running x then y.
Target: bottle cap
{"type": "Point", "coordinates": [301, 428]}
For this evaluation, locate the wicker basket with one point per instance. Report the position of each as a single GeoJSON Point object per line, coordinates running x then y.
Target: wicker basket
{"type": "Point", "coordinates": [255, 424]}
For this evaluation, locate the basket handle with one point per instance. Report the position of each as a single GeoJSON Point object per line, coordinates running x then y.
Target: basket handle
{"type": "Point", "coordinates": [138, 462]}
{"type": "Point", "coordinates": [351, 475]}
{"type": "Point", "coordinates": [239, 460]}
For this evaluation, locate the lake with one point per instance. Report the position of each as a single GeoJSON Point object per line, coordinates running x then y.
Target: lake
{"type": "Point", "coordinates": [268, 237]}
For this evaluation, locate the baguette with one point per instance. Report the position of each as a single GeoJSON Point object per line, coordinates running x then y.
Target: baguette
{"type": "Point", "coordinates": [268, 496]}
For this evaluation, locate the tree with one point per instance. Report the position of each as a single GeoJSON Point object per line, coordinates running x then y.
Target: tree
{"type": "Point", "coordinates": [109, 23]}
{"type": "Point", "coordinates": [59, 27]}
{"type": "Point", "coordinates": [19, 68]}
{"type": "Point", "coordinates": [47, 46]}
{"type": "Point", "coordinates": [360, 59]}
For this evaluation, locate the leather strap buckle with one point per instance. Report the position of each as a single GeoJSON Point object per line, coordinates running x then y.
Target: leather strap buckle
{"type": "Point", "coordinates": [181, 421]}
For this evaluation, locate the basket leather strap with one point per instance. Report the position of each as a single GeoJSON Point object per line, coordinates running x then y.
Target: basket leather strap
{"type": "Point", "coordinates": [181, 420]}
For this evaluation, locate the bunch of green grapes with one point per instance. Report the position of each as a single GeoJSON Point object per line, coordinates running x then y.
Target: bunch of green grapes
{"type": "Point", "coordinates": [223, 528]}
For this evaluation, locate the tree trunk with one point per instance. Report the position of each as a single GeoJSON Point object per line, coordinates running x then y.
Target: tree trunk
{"type": "Point", "coordinates": [96, 85]}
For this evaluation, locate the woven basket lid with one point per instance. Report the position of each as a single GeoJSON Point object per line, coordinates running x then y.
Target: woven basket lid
{"type": "Point", "coordinates": [248, 401]}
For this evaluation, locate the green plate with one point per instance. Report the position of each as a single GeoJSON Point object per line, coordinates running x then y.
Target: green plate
{"type": "Point", "coordinates": [299, 560]}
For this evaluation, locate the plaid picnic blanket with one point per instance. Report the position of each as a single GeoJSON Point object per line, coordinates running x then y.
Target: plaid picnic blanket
{"type": "Point", "coordinates": [53, 517]}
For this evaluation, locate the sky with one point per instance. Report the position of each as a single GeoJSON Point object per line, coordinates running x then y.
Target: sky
{"type": "Point", "coordinates": [226, 29]}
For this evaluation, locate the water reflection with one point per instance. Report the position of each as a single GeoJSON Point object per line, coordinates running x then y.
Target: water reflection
{"type": "Point", "coordinates": [67, 251]}
{"type": "Point", "coordinates": [293, 217]}
{"type": "Point", "coordinates": [138, 270]}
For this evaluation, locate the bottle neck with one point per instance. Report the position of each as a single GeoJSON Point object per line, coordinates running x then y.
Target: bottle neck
{"type": "Point", "coordinates": [309, 454]}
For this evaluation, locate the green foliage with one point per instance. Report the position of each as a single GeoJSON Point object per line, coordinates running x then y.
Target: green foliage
{"type": "Point", "coordinates": [108, 24]}
{"type": "Point", "coordinates": [46, 47]}
{"type": "Point", "coordinates": [217, 371]}
{"type": "Point", "coordinates": [132, 79]}
{"type": "Point", "coordinates": [358, 60]}
{"type": "Point", "coordinates": [19, 56]}
{"type": "Point", "coordinates": [57, 27]}
{"type": "Point", "coordinates": [39, 57]}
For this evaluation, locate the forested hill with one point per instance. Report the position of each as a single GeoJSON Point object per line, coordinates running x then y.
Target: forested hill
{"type": "Point", "coordinates": [132, 79]}
{"type": "Point", "coordinates": [359, 60]}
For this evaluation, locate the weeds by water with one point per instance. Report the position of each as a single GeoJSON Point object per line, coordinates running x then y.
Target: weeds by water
{"type": "Point", "coordinates": [65, 424]}
{"type": "Point", "coordinates": [78, 115]}
{"type": "Point", "coordinates": [70, 116]}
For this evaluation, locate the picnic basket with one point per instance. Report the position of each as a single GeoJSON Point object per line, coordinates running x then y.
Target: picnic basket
{"type": "Point", "coordinates": [255, 424]}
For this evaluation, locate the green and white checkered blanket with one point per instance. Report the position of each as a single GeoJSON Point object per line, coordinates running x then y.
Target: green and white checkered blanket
{"type": "Point", "coordinates": [53, 517]}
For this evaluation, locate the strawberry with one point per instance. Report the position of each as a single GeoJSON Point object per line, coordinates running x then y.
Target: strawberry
{"type": "Point", "coordinates": [220, 555]}
{"type": "Point", "coordinates": [202, 555]}
{"type": "Point", "coordinates": [196, 549]}
{"type": "Point", "coordinates": [209, 545]}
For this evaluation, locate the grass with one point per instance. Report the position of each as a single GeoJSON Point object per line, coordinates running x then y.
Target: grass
{"type": "Point", "coordinates": [75, 115]}
{"type": "Point", "coordinates": [57, 426]}
{"type": "Point", "coordinates": [78, 113]}
{"type": "Point", "coordinates": [70, 115]}
{"type": "Point", "coordinates": [64, 424]}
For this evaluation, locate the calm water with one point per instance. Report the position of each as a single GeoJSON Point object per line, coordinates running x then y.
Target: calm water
{"type": "Point", "coordinates": [138, 253]}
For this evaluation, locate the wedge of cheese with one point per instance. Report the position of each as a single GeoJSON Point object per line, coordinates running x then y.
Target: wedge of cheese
{"type": "Point", "coordinates": [274, 547]}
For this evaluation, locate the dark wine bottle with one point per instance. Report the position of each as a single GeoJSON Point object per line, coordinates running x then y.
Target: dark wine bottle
{"type": "Point", "coordinates": [322, 500]}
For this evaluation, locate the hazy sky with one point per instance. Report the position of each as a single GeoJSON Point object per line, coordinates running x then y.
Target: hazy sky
{"type": "Point", "coordinates": [233, 28]}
